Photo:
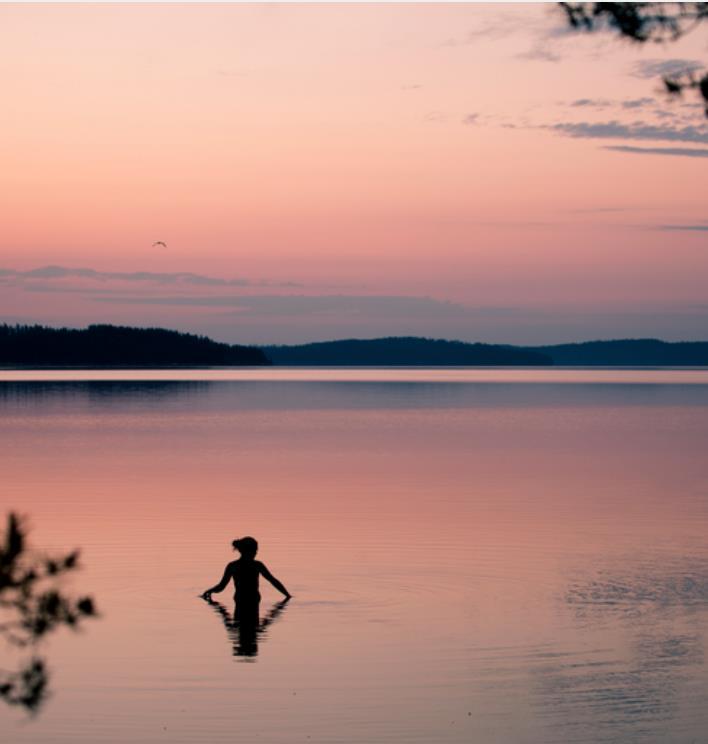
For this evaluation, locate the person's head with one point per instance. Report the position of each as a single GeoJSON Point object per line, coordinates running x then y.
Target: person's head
{"type": "Point", "coordinates": [247, 546]}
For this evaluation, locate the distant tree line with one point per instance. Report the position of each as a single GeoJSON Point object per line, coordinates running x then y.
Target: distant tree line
{"type": "Point", "coordinates": [115, 346]}
{"type": "Point", "coordinates": [404, 351]}
{"type": "Point", "coordinates": [108, 345]}
{"type": "Point", "coordinates": [435, 352]}
{"type": "Point", "coordinates": [629, 353]}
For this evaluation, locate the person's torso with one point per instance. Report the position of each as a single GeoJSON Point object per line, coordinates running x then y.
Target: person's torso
{"type": "Point", "coordinates": [245, 575]}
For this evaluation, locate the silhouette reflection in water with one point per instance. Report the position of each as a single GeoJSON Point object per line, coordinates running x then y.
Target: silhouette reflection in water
{"type": "Point", "coordinates": [245, 625]}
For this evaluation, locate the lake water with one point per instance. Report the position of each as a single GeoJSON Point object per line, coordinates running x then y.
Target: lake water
{"type": "Point", "coordinates": [513, 556]}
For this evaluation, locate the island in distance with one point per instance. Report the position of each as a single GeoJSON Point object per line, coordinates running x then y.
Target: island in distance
{"type": "Point", "coordinates": [119, 346]}
{"type": "Point", "coordinates": [430, 352]}
{"type": "Point", "coordinates": [404, 351]}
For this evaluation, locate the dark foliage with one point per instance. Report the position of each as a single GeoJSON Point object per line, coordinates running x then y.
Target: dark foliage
{"type": "Point", "coordinates": [107, 345]}
{"type": "Point", "coordinates": [32, 606]}
{"type": "Point", "coordinates": [26, 687]}
{"type": "Point", "coordinates": [647, 22]}
{"type": "Point", "coordinates": [630, 353]}
{"type": "Point", "coordinates": [397, 351]}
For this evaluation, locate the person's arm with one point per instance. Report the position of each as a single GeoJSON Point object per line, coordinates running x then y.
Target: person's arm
{"type": "Point", "coordinates": [221, 585]}
{"type": "Point", "coordinates": [266, 574]}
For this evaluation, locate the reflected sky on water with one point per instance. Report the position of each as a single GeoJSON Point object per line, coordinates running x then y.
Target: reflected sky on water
{"type": "Point", "coordinates": [494, 561]}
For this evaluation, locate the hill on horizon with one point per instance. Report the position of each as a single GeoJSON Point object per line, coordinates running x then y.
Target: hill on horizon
{"type": "Point", "coordinates": [629, 352]}
{"type": "Point", "coordinates": [414, 350]}
{"type": "Point", "coordinates": [404, 351]}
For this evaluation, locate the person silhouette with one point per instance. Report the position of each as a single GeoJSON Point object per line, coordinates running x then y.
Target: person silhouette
{"type": "Point", "coordinates": [245, 572]}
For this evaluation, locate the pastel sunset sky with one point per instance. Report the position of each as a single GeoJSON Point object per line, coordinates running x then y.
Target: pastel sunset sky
{"type": "Point", "coordinates": [325, 171]}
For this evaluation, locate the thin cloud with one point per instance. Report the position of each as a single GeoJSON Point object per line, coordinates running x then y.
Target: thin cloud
{"type": "Point", "coordinates": [649, 68]}
{"type": "Point", "coordinates": [638, 130]}
{"type": "Point", "coordinates": [602, 103]}
{"type": "Point", "coordinates": [687, 152]}
{"type": "Point", "coordinates": [505, 23]}
{"type": "Point", "coordinates": [690, 228]}
{"type": "Point", "coordinates": [540, 53]}
{"type": "Point", "coordinates": [49, 288]}
{"type": "Point", "coordinates": [590, 103]}
{"type": "Point", "coordinates": [389, 306]}
{"type": "Point", "coordinates": [634, 103]}
{"type": "Point", "coordinates": [470, 119]}
{"type": "Point", "coordinates": [162, 278]}
{"type": "Point", "coordinates": [499, 27]}
{"type": "Point", "coordinates": [603, 210]}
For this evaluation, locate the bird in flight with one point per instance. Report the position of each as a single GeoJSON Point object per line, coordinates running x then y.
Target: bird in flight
{"type": "Point", "coordinates": [159, 242]}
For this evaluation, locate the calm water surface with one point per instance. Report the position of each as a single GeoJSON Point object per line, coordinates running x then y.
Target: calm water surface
{"type": "Point", "coordinates": [513, 556]}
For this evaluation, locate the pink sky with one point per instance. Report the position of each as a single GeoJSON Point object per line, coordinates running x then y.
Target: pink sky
{"type": "Point", "coordinates": [447, 170]}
